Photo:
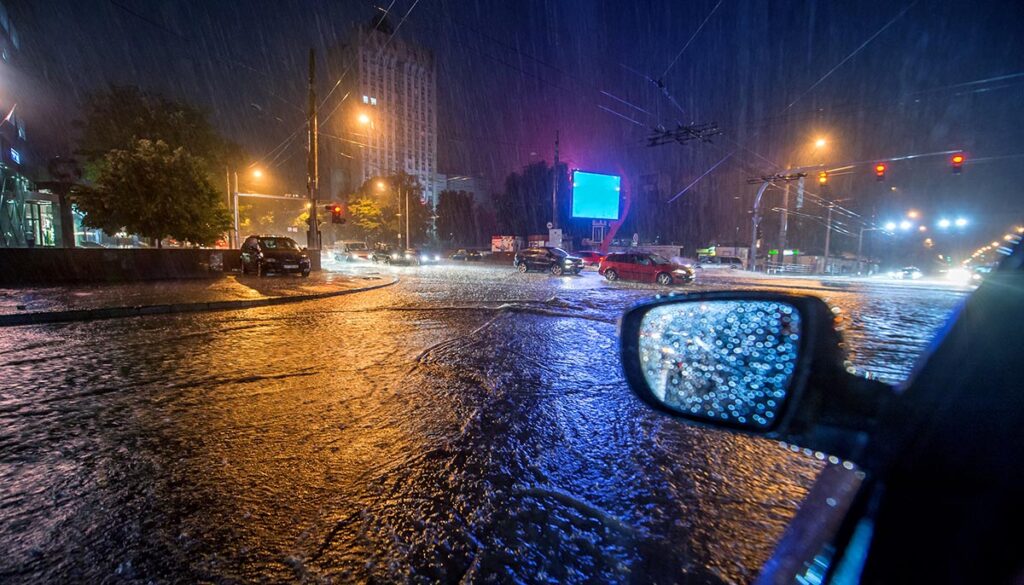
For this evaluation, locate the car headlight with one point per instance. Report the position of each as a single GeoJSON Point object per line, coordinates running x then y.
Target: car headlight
{"type": "Point", "coordinates": [408, 256]}
{"type": "Point", "coordinates": [437, 257]}
{"type": "Point", "coordinates": [395, 256]}
{"type": "Point", "coordinates": [567, 262]}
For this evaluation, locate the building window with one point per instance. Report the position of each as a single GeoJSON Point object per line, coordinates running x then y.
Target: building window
{"type": "Point", "coordinates": [21, 129]}
{"type": "Point", "coordinates": [366, 99]}
{"type": "Point", "coordinates": [15, 157]}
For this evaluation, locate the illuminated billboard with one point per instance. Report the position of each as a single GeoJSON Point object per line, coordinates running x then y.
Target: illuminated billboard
{"type": "Point", "coordinates": [595, 196]}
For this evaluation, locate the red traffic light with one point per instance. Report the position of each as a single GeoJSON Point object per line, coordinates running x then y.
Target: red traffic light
{"type": "Point", "coordinates": [337, 209]}
{"type": "Point", "coordinates": [958, 162]}
{"type": "Point", "coordinates": [880, 169]}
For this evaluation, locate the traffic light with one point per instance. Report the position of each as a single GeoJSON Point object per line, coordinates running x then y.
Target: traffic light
{"type": "Point", "coordinates": [336, 213]}
{"type": "Point", "coordinates": [823, 178]}
{"type": "Point", "coordinates": [957, 160]}
{"type": "Point", "coordinates": [880, 169]}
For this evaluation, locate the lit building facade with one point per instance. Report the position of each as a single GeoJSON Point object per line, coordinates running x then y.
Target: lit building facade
{"type": "Point", "coordinates": [389, 119]}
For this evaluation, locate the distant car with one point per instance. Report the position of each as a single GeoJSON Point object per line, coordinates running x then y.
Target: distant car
{"type": "Point", "coordinates": [427, 256]}
{"type": "Point", "coordinates": [265, 254]}
{"type": "Point", "coordinates": [463, 255]}
{"type": "Point", "coordinates": [643, 267]}
{"type": "Point", "coordinates": [555, 260]}
{"type": "Point", "coordinates": [590, 257]}
{"type": "Point", "coordinates": [407, 257]}
{"type": "Point", "coordinates": [351, 251]}
{"type": "Point", "coordinates": [908, 273]}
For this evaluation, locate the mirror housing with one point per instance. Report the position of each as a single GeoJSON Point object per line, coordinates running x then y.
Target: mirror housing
{"type": "Point", "coordinates": [782, 355]}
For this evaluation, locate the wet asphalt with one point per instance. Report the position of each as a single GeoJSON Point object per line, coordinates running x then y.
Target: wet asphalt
{"type": "Point", "coordinates": [467, 424]}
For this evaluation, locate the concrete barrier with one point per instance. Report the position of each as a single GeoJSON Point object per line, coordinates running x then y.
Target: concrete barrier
{"type": "Point", "coordinates": [20, 266]}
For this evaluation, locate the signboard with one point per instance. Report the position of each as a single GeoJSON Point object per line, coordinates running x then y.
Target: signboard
{"type": "Point", "coordinates": [595, 196]}
{"type": "Point", "coordinates": [555, 238]}
{"type": "Point", "coordinates": [503, 243]}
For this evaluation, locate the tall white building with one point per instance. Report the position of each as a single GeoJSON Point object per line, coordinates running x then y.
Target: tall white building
{"type": "Point", "coordinates": [390, 123]}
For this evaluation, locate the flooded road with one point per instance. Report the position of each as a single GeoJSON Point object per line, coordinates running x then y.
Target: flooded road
{"type": "Point", "coordinates": [467, 424]}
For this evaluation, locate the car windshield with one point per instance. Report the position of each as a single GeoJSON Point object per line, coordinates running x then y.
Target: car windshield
{"type": "Point", "coordinates": [278, 244]}
{"type": "Point", "coordinates": [188, 395]}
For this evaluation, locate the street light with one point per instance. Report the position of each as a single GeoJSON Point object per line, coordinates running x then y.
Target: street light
{"type": "Point", "coordinates": [363, 119]}
{"type": "Point", "coordinates": [913, 214]}
{"type": "Point", "coordinates": [905, 225]}
{"type": "Point", "coordinates": [944, 223]}
{"type": "Point", "coordinates": [891, 226]}
{"type": "Point", "coordinates": [961, 222]}
{"type": "Point", "coordinates": [257, 173]}
{"type": "Point", "coordinates": [820, 143]}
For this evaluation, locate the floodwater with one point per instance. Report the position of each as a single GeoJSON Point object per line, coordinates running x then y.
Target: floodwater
{"type": "Point", "coordinates": [467, 424]}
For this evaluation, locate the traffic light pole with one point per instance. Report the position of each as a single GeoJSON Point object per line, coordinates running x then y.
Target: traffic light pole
{"type": "Point", "coordinates": [312, 162]}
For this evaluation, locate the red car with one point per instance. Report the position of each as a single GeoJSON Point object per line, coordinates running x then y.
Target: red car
{"type": "Point", "coordinates": [590, 257]}
{"type": "Point", "coordinates": [644, 267]}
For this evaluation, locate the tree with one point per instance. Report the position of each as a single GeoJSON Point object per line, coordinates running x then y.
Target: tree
{"type": "Point", "coordinates": [118, 117]}
{"type": "Point", "coordinates": [391, 193]}
{"type": "Point", "coordinates": [366, 218]}
{"type": "Point", "coordinates": [157, 192]}
{"type": "Point", "coordinates": [455, 218]}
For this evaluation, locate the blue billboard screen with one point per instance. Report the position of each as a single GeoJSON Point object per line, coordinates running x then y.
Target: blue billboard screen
{"type": "Point", "coordinates": [595, 196]}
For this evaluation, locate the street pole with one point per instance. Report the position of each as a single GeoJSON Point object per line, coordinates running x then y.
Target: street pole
{"type": "Point", "coordinates": [227, 179]}
{"type": "Point", "coordinates": [238, 242]}
{"type": "Point", "coordinates": [860, 247]}
{"type": "Point", "coordinates": [408, 242]}
{"type": "Point", "coordinates": [554, 187]}
{"type": "Point", "coordinates": [312, 162]}
{"type": "Point", "coordinates": [756, 220]}
{"type": "Point", "coordinates": [828, 238]}
{"type": "Point", "coordinates": [784, 224]}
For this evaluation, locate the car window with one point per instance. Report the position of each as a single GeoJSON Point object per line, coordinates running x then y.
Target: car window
{"type": "Point", "coordinates": [643, 260]}
{"type": "Point", "coordinates": [278, 244]}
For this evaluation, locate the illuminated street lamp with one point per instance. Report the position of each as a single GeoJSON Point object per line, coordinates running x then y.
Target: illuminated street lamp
{"type": "Point", "coordinates": [913, 214]}
{"type": "Point", "coordinates": [961, 222]}
{"type": "Point", "coordinates": [922, 228]}
{"type": "Point", "coordinates": [257, 173]}
{"type": "Point", "coordinates": [905, 225]}
{"type": "Point", "coordinates": [891, 226]}
{"type": "Point", "coordinates": [820, 143]}
{"type": "Point", "coordinates": [363, 119]}
{"type": "Point", "coordinates": [944, 223]}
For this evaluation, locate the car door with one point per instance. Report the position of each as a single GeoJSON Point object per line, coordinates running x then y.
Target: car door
{"type": "Point", "coordinates": [248, 252]}
{"type": "Point", "coordinates": [644, 268]}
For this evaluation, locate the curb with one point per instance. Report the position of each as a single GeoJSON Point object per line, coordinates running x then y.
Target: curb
{"type": "Point", "coordinates": [39, 318]}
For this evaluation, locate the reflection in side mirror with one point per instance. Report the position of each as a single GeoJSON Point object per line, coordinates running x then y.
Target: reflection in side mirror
{"type": "Point", "coordinates": [726, 361]}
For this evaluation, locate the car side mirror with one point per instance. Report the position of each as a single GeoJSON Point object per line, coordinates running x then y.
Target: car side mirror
{"type": "Point", "coordinates": [764, 363]}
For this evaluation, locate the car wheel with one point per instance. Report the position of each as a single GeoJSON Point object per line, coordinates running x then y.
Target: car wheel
{"type": "Point", "coordinates": [557, 270]}
{"type": "Point", "coordinates": [305, 274]}
{"type": "Point", "coordinates": [522, 268]}
{"type": "Point", "coordinates": [611, 274]}
{"type": "Point", "coordinates": [664, 279]}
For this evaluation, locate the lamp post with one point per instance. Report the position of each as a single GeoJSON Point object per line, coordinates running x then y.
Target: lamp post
{"type": "Point", "coordinates": [233, 236]}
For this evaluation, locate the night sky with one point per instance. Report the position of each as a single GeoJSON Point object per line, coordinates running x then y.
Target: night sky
{"type": "Point", "coordinates": [878, 79]}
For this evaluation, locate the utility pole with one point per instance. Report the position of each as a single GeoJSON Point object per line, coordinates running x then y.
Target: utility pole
{"type": "Point", "coordinates": [312, 162]}
{"type": "Point", "coordinates": [231, 210]}
{"type": "Point", "coordinates": [828, 238]}
{"type": "Point", "coordinates": [234, 206]}
{"type": "Point", "coordinates": [784, 224]}
{"type": "Point", "coordinates": [408, 240]}
{"type": "Point", "coordinates": [765, 181]}
{"type": "Point", "coordinates": [554, 187]}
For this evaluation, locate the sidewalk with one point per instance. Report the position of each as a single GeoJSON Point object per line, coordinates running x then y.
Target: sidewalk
{"type": "Point", "coordinates": [96, 301]}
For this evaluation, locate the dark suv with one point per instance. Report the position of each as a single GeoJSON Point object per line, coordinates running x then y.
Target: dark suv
{"type": "Point", "coordinates": [556, 260]}
{"type": "Point", "coordinates": [266, 254]}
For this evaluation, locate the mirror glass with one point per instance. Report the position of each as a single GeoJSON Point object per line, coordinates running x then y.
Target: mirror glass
{"type": "Point", "coordinates": [726, 360]}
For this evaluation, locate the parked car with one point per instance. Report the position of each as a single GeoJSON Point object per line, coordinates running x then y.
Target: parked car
{"type": "Point", "coordinates": [644, 267]}
{"type": "Point", "coordinates": [590, 257]}
{"type": "Point", "coordinates": [351, 251]}
{"type": "Point", "coordinates": [265, 254]}
{"type": "Point", "coordinates": [919, 483]}
{"type": "Point", "coordinates": [89, 244]}
{"type": "Point", "coordinates": [555, 260]}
